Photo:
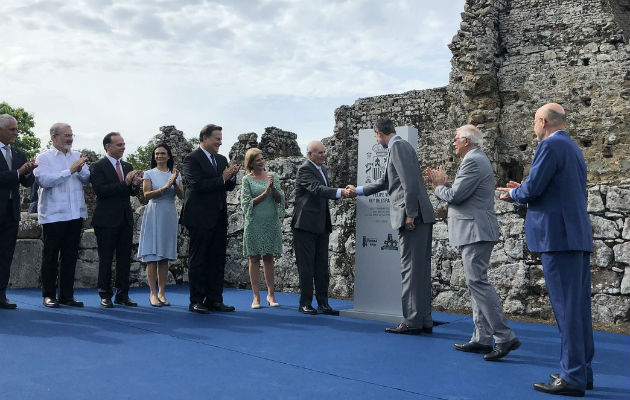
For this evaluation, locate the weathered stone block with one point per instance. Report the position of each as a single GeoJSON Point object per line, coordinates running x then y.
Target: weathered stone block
{"type": "Point", "coordinates": [440, 231]}
{"type": "Point", "coordinates": [29, 227]}
{"type": "Point", "coordinates": [618, 199]}
{"type": "Point", "coordinates": [457, 274]}
{"type": "Point", "coordinates": [610, 309]}
{"type": "Point", "coordinates": [625, 282]}
{"type": "Point", "coordinates": [605, 281]}
{"type": "Point", "coordinates": [603, 228]}
{"type": "Point", "coordinates": [622, 253]}
{"type": "Point", "coordinates": [88, 255]}
{"type": "Point", "coordinates": [626, 229]}
{"type": "Point", "coordinates": [595, 203]}
{"type": "Point", "coordinates": [86, 274]}
{"type": "Point", "coordinates": [602, 255]}
{"type": "Point", "coordinates": [513, 247]}
{"type": "Point", "coordinates": [88, 239]}
{"type": "Point", "coordinates": [26, 265]}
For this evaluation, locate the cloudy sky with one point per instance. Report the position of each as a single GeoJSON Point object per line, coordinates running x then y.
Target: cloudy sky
{"type": "Point", "coordinates": [133, 66]}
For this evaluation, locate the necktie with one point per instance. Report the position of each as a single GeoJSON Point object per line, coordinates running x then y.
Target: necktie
{"type": "Point", "coordinates": [321, 170]}
{"type": "Point", "coordinates": [119, 171]}
{"type": "Point", "coordinates": [214, 162]}
{"type": "Point", "coordinates": [8, 157]}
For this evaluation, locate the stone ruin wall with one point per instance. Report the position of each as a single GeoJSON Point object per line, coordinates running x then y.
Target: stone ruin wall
{"type": "Point", "coordinates": [509, 58]}
{"type": "Point", "coordinates": [503, 68]}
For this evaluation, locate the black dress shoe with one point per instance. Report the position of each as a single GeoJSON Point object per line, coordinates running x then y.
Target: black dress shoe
{"type": "Point", "coordinates": [326, 309]}
{"type": "Point", "coordinates": [307, 309]}
{"type": "Point", "coordinates": [589, 385]}
{"type": "Point", "coordinates": [502, 349]}
{"type": "Point", "coordinates": [50, 302]}
{"type": "Point", "coordinates": [220, 307]}
{"type": "Point", "coordinates": [107, 303]}
{"type": "Point", "coordinates": [126, 302]}
{"type": "Point", "coordinates": [198, 308]}
{"type": "Point", "coordinates": [7, 305]}
{"type": "Point", "coordinates": [428, 330]}
{"type": "Point", "coordinates": [402, 328]}
{"type": "Point", "coordinates": [559, 386]}
{"type": "Point", "coordinates": [71, 303]}
{"type": "Point", "coordinates": [474, 347]}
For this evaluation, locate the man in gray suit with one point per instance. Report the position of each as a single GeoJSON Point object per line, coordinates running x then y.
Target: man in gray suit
{"type": "Point", "coordinates": [473, 227]}
{"type": "Point", "coordinates": [311, 227]}
{"type": "Point", "coordinates": [411, 213]}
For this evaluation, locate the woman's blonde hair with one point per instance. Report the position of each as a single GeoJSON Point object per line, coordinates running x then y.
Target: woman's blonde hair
{"type": "Point", "coordinates": [249, 158]}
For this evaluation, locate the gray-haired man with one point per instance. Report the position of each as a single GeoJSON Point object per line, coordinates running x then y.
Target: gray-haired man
{"type": "Point", "coordinates": [61, 174]}
{"type": "Point", "coordinates": [14, 170]}
{"type": "Point", "coordinates": [473, 227]}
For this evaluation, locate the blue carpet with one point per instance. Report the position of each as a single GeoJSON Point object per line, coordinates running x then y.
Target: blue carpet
{"type": "Point", "coordinates": [271, 353]}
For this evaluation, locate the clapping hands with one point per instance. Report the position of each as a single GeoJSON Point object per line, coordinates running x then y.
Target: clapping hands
{"type": "Point", "coordinates": [133, 177]}
{"type": "Point", "coordinates": [27, 167]}
{"type": "Point", "coordinates": [230, 171]}
{"type": "Point", "coordinates": [436, 177]}
{"type": "Point", "coordinates": [505, 191]}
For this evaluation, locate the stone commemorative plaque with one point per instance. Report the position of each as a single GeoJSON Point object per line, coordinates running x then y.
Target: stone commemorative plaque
{"type": "Point", "coordinates": [377, 286]}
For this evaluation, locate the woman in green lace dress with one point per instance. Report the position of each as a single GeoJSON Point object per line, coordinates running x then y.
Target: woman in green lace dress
{"type": "Point", "coordinates": [262, 201]}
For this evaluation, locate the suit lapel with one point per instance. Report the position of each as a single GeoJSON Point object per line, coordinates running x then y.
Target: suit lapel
{"type": "Point", "coordinates": [317, 173]}
{"type": "Point", "coordinates": [4, 160]}
{"type": "Point", "coordinates": [111, 170]}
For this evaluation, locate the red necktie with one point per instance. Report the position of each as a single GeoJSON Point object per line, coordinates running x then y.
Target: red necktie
{"type": "Point", "coordinates": [119, 171]}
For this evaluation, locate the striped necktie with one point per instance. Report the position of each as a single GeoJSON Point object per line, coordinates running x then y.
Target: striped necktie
{"type": "Point", "coordinates": [8, 156]}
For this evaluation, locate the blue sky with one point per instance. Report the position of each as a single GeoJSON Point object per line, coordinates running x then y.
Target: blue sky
{"type": "Point", "coordinates": [133, 66]}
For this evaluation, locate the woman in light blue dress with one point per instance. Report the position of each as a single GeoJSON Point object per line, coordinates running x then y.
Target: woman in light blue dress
{"type": "Point", "coordinates": [158, 233]}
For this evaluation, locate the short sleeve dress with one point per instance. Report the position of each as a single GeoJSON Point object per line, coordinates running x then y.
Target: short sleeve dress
{"type": "Point", "coordinates": [262, 232]}
{"type": "Point", "coordinates": [158, 232]}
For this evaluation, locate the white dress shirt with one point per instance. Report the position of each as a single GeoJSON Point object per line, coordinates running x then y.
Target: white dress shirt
{"type": "Point", "coordinates": [321, 171]}
{"type": "Point", "coordinates": [5, 149]}
{"type": "Point", "coordinates": [60, 192]}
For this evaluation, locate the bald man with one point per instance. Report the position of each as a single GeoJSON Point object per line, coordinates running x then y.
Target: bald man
{"type": "Point", "coordinates": [311, 227]}
{"type": "Point", "coordinates": [558, 227]}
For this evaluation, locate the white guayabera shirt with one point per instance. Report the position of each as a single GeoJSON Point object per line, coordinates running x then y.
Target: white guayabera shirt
{"type": "Point", "coordinates": [60, 192]}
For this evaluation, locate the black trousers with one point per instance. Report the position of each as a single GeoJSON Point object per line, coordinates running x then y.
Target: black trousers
{"type": "Point", "coordinates": [311, 256]}
{"type": "Point", "coordinates": [109, 241]}
{"type": "Point", "coordinates": [61, 249]}
{"type": "Point", "coordinates": [206, 262]}
{"type": "Point", "coordinates": [8, 237]}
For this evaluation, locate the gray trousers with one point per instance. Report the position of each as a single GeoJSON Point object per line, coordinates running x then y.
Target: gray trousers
{"type": "Point", "coordinates": [486, 307]}
{"type": "Point", "coordinates": [415, 262]}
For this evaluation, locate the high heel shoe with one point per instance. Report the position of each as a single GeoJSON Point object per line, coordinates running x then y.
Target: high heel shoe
{"type": "Point", "coordinates": [165, 302]}
{"type": "Point", "coordinates": [158, 304]}
{"type": "Point", "coordinates": [255, 306]}
{"type": "Point", "coordinates": [272, 303]}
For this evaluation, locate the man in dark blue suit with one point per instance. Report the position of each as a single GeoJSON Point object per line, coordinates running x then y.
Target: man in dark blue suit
{"type": "Point", "coordinates": [14, 170]}
{"type": "Point", "coordinates": [557, 226]}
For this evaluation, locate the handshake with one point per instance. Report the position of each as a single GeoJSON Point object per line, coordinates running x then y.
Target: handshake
{"type": "Point", "coordinates": [349, 192]}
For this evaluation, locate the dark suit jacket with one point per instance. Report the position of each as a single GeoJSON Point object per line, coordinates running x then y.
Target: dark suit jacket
{"type": "Point", "coordinates": [9, 182]}
{"type": "Point", "coordinates": [113, 207]}
{"type": "Point", "coordinates": [311, 212]}
{"type": "Point", "coordinates": [555, 193]}
{"type": "Point", "coordinates": [205, 198]}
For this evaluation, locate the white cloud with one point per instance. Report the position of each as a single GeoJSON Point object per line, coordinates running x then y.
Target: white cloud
{"type": "Point", "coordinates": [135, 65]}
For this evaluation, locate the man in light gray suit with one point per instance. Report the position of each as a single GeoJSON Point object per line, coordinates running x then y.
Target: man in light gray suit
{"type": "Point", "coordinates": [473, 227]}
{"type": "Point", "coordinates": [411, 214]}
{"type": "Point", "coordinates": [311, 227]}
